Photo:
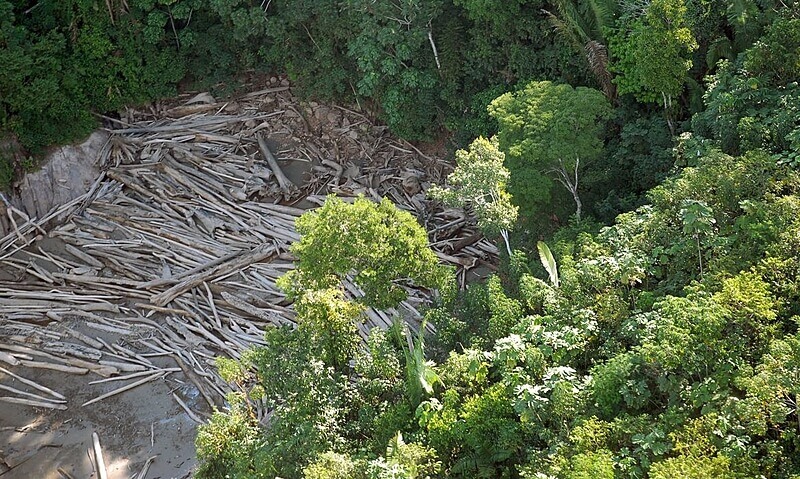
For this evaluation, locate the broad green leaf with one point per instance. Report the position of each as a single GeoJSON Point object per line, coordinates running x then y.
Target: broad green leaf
{"type": "Point", "coordinates": [548, 261]}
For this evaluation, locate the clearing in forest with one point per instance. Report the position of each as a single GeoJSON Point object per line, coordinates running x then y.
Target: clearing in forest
{"type": "Point", "coordinates": [110, 320]}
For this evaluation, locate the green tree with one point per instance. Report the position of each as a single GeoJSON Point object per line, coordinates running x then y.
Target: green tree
{"type": "Point", "coordinates": [698, 222]}
{"type": "Point", "coordinates": [775, 386]}
{"type": "Point", "coordinates": [330, 322]}
{"type": "Point", "coordinates": [479, 181]}
{"type": "Point", "coordinates": [476, 436]}
{"type": "Point", "coordinates": [383, 247]}
{"type": "Point", "coordinates": [397, 59]}
{"type": "Point", "coordinates": [548, 131]}
{"type": "Point", "coordinates": [652, 51]}
{"type": "Point", "coordinates": [753, 102]}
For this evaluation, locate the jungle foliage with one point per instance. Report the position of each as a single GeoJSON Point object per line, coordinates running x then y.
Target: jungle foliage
{"type": "Point", "coordinates": [421, 67]}
{"type": "Point", "coordinates": [417, 65]}
{"type": "Point", "coordinates": [658, 335]}
{"type": "Point", "coordinates": [665, 344]}
{"type": "Point", "coordinates": [628, 360]}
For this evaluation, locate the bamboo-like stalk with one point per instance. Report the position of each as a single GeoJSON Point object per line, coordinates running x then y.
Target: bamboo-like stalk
{"type": "Point", "coordinates": [30, 402]}
{"type": "Point", "coordinates": [102, 472]}
{"type": "Point", "coordinates": [124, 388]}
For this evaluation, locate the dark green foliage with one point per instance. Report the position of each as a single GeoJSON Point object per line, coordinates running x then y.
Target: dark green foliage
{"type": "Point", "coordinates": [309, 40]}
{"type": "Point", "coordinates": [652, 51]}
{"type": "Point", "coordinates": [634, 366]}
{"type": "Point", "coordinates": [746, 113]}
{"type": "Point", "coordinates": [635, 161]}
{"type": "Point", "coordinates": [775, 55]}
{"type": "Point", "coordinates": [488, 47]}
{"type": "Point", "coordinates": [463, 324]}
{"type": "Point", "coordinates": [664, 345]}
{"type": "Point", "coordinates": [752, 103]}
{"type": "Point", "coordinates": [476, 436]}
{"type": "Point", "coordinates": [504, 312]}
{"type": "Point", "coordinates": [479, 315]}
{"type": "Point", "coordinates": [395, 62]}
{"type": "Point", "coordinates": [65, 59]}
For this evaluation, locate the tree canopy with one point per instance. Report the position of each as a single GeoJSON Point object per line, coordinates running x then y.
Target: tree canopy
{"type": "Point", "coordinates": [382, 247]}
{"type": "Point", "coordinates": [548, 130]}
{"type": "Point", "coordinates": [479, 181]}
{"type": "Point", "coordinates": [661, 343]}
{"type": "Point", "coordinates": [657, 337]}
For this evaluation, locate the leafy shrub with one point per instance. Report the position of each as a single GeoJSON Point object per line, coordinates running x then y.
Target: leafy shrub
{"type": "Point", "coordinates": [692, 468]}
{"type": "Point", "coordinates": [593, 465]}
{"type": "Point", "coordinates": [230, 444]}
{"type": "Point", "coordinates": [479, 436]}
{"type": "Point", "coordinates": [331, 465]}
{"type": "Point", "coordinates": [504, 312]}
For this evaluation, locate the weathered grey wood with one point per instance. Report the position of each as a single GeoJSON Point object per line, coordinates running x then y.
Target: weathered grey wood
{"type": "Point", "coordinates": [29, 402]}
{"type": "Point", "coordinates": [283, 181]}
{"type": "Point", "coordinates": [258, 254]}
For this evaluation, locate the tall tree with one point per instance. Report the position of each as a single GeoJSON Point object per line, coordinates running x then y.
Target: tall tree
{"type": "Point", "coordinates": [549, 131]}
{"type": "Point", "coordinates": [479, 181]}
{"type": "Point", "coordinates": [652, 51]}
{"type": "Point", "coordinates": [698, 221]}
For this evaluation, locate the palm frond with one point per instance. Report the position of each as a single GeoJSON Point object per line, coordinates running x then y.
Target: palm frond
{"type": "Point", "coordinates": [597, 57]}
{"type": "Point", "coordinates": [634, 8]}
{"type": "Point", "coordinates": [568, 10]}
{"type": "Point", "coordinates": [720, 48]}
{"type": "Point", "coordinates": [565, 29]}
{"type": "Point", "coordinates": [602, 16]}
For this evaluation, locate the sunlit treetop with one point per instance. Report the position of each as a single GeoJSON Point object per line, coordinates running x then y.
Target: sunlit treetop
{"type": "Point", "coordinates": [382, 247]}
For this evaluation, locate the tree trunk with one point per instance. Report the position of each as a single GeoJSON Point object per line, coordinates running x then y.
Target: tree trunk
{"type": "Point", "coordinates": [570, 182]}
{"type": "Point", "coordinates": [504, 234]}
{"type": "Point", "coordinates": [699, 255]}
{"type": "Point", "coordinates": [578, 204]}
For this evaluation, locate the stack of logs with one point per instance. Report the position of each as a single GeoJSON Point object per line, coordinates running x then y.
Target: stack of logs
{"type": "Point", "coordinates": [174, 251]}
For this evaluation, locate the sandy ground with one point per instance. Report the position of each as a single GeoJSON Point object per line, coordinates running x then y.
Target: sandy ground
{"type": "Point", "coordinates": [132, 427]}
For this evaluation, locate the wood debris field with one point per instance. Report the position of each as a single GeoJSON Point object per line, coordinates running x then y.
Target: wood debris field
{"type": "Point", "coordinates": [170, 260]}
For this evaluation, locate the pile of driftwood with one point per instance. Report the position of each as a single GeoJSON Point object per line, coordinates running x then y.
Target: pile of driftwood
{"type": "Point", "coordinates": [175, 250]}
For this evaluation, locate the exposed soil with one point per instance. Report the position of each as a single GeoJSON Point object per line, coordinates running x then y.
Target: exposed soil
{"type": "Point", "coordinates": [144, 422]}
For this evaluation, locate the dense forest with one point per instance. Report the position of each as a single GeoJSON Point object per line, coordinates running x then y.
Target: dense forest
{"type": "Point", "coordinates": [637, 162]}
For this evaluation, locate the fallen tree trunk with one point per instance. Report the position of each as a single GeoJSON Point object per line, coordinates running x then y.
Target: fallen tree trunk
{"type": "Point", "coordinates": [256, 255]}
{"type": "Point", "coordinates": [284, 182]}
